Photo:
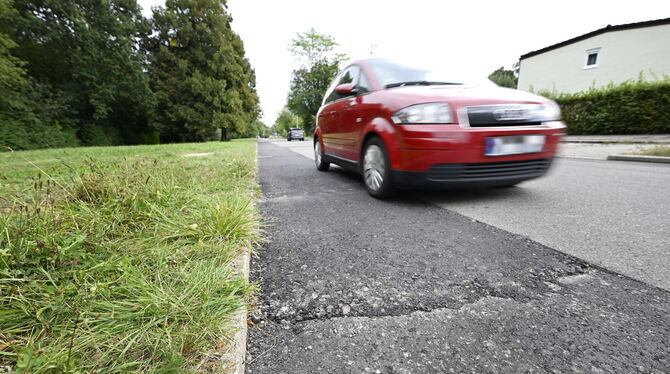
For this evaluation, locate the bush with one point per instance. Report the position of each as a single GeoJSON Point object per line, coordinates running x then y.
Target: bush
{"type": "Point", "coordinates": [632, 107]}
{"type": "Point", "coordinates": [33, 133]}
{"type": "Point", "coordinates": [35, 117]}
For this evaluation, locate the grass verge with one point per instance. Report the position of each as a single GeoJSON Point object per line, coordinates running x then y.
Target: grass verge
{"type": "Point", "coordinates": [659, 150]}
{"type": "Point", "coordinates": [119, 259]}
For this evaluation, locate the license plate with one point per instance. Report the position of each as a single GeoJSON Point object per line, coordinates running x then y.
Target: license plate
{"type": "Point", "coordinates": [514, 145]}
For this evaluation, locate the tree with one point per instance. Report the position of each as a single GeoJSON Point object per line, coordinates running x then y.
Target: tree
{"type": "Point", "coordinates": [203, 82]}
{"type": "Point", "coordinates": [285, 121]}
{"type": "Point", "coordinates": [252, 130]}
{"type": "Point", "coordinates": [12, 74]}
{"type": "Point", "coordinates": [314, 47]}
{"type": "Point", "coordinates": [308, 86]}
{"type": "Point", "coordinates": [84, 56]}
{"type": "Point", "coordinates": [505, 78]}
{"type": "Point", "coordinates": [13, 108]}
{"type": "Point", "coordinates": [310, 81]}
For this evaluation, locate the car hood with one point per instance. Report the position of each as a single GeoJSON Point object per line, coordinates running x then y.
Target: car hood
{"type": "Point", "coordinates": [458, 96]}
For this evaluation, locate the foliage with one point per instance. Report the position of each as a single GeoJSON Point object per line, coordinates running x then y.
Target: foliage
{"type": "Point", "coordinates": [119, 259]}
{"type": "Point", "coordinates": [314, 46]}
{"type": "Point", "coordinates": [36, 119]}
{"type": "Point", "coordinates": [263, 130]}
{"type": "Point", "coordinates": [310, 81]}
{"type": "Point", "coordinates": [201, 78]}
{"type": "Point", "coordinates": [82, 56]}
{"type": "Point", "coordinates": [632, 107]}
{"type": "Point", "coordinates": [254, 129]}
{"type": "Point", "coordinates": [287, 120]}
{"type": "Point", "coordinates": [308, 86]}
{"type": "Point", "coordinates": [15, 111]}
{"type": "Point", "coordinates": [504, 78]}
{"type": "Point", "coordinates": [77, 73]}
{"type": "Point", "coordinates": [12, 74]}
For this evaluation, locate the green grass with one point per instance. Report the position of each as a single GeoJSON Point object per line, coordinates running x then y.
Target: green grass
{"type": "Point", "coordinates": [659, 150]}
{"type": "Point", "coordinates": [118, 259]}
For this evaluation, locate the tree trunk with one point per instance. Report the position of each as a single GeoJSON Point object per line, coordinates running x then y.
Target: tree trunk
{"type": "Point", "coordinates": [224, 135]}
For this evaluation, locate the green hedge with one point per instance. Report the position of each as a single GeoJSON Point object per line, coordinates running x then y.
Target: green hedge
{"type": "Point", "coordinates": [634, 107]}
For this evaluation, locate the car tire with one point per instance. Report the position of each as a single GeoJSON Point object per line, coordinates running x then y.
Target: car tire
{"type": "Point", "coordinates": [319, 159]}
{"type": "Point", "coordinates": [376, 169]}
{"type": "Point", "coordinates": [289, 139]}
{"type": "Point", "coordinates": [508, 185]}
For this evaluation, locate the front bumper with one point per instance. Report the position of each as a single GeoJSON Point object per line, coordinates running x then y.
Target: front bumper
{"type": "Point", "coordinates": [420, 147]}
{"type": "Point", "coordinates": [462, 175]}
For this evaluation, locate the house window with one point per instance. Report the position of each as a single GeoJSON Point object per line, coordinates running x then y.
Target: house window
{"type": "Point", "coordinates": [592, 58]}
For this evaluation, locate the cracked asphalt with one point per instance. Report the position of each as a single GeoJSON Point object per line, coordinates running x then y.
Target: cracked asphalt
{"type": "Point", "coordinates": [351, 284]}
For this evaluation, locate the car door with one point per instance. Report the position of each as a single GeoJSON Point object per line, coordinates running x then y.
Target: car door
{"type": "Point", "coordinates": [355, 114]}
{"type": "Point", "coordinates": [327, 114]}
{"type": "Point", "coordinates": [331, 114]}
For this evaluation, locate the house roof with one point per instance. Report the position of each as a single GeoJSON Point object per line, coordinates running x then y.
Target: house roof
{"type": "Point", "coordinates": [608, 28]}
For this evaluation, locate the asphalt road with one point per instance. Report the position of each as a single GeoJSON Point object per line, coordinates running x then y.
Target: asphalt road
{"type": "Point", "coordinates": [612, 214]}
{"type": "Point", "coordinates": [350, 284]}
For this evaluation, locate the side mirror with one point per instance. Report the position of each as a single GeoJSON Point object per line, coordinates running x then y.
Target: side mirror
{"type": "Point", "coordinates": [345, 89]}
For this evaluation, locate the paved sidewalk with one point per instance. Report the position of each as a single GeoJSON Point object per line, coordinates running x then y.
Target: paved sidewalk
{"type": "Point", "coordinates": [600, 147]}
{"type": "Point", "coordinates": [632, 139]}
{"type": "Point", "coordinates": [600, 151]}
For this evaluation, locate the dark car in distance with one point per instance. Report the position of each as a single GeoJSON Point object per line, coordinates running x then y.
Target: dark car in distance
{"type": "Point", "coordinates": [295, 134]}
{"type": "Point", "coordinates": [404, 127]}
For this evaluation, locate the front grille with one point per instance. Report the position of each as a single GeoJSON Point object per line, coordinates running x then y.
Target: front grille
{"type": "Point", "coordinates": [500, 124]}
{"type": "Point", "coordinates": [489, 170]}
{"type": "Point", "coordinates": [483, 116]}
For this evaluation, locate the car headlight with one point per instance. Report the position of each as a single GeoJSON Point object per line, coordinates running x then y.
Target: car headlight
{"type": "Point", "coordinates": [548, 111]}
{"type": "Point", "coordinates": [423, 113]}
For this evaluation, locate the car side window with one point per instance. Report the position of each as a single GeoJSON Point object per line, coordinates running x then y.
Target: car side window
{"type": "Point", "coordinates": [350, 75]}
{"type": "Point", "coordinates": [363, 86]}
{"type": "Point", "coordinates": [330, 93]}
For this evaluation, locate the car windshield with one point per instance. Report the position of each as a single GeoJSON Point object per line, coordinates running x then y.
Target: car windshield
{"type": "Point", "coordinates": [394, 74]}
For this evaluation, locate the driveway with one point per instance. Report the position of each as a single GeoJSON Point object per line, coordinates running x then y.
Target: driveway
{"type": "Point", "coordinates": [350, 284]}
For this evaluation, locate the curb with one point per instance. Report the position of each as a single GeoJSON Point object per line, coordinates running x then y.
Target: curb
{"type": "Point", "coordinates": [656, 159]}
{"type": "Point", "coordinates": [616, 142]}
{"type": "Point", "coordinates": [237, 352]}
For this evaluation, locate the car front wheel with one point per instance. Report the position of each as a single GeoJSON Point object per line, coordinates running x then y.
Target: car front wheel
{"type": "Point", "coordinates": [377, 169]}
{"type": "Point", "coordinates": [321, 164]}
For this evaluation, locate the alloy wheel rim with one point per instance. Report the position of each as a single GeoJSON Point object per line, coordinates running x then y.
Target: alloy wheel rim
{"type": "Point", "coordinates": [373, 167]}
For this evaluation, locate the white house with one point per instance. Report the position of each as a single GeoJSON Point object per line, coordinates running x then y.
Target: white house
{"type": "Point", "coordinates": [612, 54]}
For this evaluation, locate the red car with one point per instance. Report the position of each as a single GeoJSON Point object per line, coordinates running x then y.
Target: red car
{"type": "Point", "coordinates": [403, 127]}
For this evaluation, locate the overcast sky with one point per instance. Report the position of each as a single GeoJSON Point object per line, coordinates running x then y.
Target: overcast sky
{"type": "Point", "coordinates": [473, 37]}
